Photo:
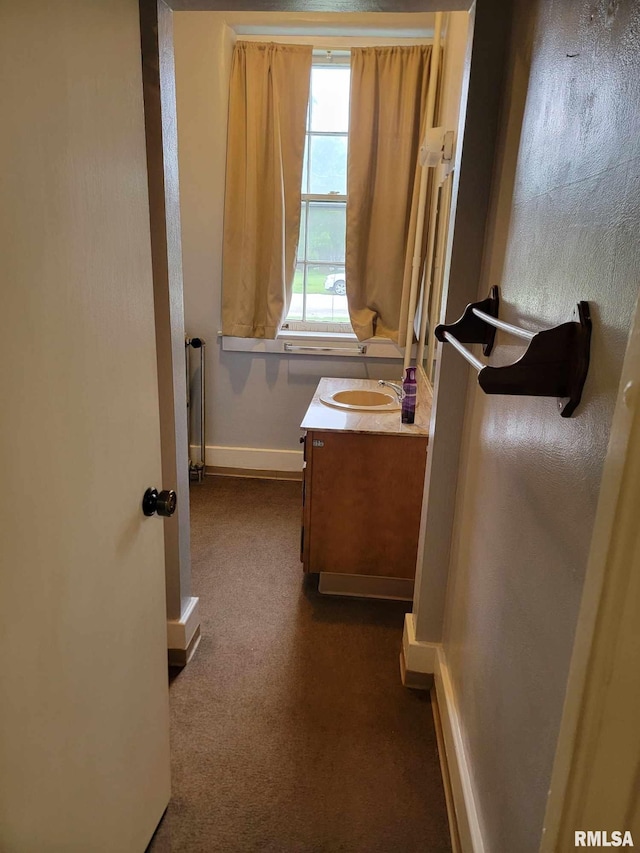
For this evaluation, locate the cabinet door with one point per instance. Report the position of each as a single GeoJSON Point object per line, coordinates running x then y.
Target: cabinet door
{"type": "Point", "coordinates": [364, 498]}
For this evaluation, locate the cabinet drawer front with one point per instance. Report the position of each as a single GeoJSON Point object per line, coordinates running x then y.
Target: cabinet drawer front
{"type": "Point", "coordinates": [365, 496]}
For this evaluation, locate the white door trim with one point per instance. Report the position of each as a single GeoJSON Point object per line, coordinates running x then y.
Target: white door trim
{"type": "Point", "coordinates": [594, 780]}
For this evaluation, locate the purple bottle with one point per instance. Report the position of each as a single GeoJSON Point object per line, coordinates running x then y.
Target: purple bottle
{"type": "Point", "coordinates": [410, 388]}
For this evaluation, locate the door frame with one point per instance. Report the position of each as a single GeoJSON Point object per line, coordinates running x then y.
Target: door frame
{"type": "Point", "coordinates": [472, 185]}
{"type": "Point", "coordinates": [160, 117]}
{"type": "Point", "coordinates": [587, 724]}
{"type": "Point", "coordinates": [594, 778]}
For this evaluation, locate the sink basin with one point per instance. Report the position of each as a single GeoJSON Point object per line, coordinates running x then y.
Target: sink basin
{"type": "Point", "coordinates": [362, 400]}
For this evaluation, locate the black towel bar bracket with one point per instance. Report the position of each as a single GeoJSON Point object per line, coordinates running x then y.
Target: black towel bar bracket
{"type": "Point", "coordinates": [555, 363]}
{"type": "Point", "coordinates": [470, 329]}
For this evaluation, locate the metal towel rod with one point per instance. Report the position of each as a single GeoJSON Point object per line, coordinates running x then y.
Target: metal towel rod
{"type": "Point", "coordinates": [506, 327]}
{"type": "Point", "coordinates": [464, 352]}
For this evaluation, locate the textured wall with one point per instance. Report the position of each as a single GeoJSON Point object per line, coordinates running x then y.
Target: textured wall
{"type": "Point", "coordinates": [564, 227]}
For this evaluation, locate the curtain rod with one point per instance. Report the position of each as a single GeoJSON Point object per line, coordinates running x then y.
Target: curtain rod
{"type": "Point", "coordinates": [335, 48]}
{"type": "Point", "coordinates": [346, 48]}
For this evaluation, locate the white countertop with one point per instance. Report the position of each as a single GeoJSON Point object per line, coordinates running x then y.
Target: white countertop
{"type": "Point", "coordinates": [320, 416]}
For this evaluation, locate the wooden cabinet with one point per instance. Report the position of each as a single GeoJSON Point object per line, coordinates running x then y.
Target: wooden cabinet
{"type": "Point", "coordinates": [362, 498]}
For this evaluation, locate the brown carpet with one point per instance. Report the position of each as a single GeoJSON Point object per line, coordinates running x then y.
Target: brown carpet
{"type": "Point", "coordinates": [290, 728]}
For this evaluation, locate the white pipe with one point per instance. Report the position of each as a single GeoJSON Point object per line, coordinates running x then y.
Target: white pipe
{"type": "Point", "coordinates": [422, 197]}
{"type": "Point", "coordinates": [428, 265]}
{"type": "Point", "coordinates": [433, 292]}
{"type": "Point", "coordinates": [438, 279]}
{"type": "Point", "coordinates": [415, 269]}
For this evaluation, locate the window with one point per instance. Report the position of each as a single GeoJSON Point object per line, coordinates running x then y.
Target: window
{"type": "Point", "coordinates": [318, 301]}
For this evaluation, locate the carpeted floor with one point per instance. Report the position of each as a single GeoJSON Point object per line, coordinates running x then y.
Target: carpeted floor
{"type": "Point", "coordinates": [290, 728]}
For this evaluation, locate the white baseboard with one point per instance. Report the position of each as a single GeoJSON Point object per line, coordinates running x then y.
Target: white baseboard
{"type": "Point", "coordinates": [252, 458]}
{"type": "Point", "coordinates": [418, 657]}
{"type": "Point", "coordinates": [429, 659]}
{"type": "Point", "coordinates": [464, 795]}
{"type": "Point", "coordinates": [180, 632]}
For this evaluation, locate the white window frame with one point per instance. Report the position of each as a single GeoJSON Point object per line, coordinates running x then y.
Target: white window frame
{"type": "Point", "coordinates": [321, 59]}
{"type": "Point", "coordinates": [321, 340]}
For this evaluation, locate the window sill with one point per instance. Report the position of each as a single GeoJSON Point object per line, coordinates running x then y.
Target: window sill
{"type": "Point", "coordinates": [313, 344]}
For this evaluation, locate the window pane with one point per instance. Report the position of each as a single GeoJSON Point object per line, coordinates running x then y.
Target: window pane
{"type": "Point", "coordinates": [302, 232]}
{"type": "Point", "coordinates": [298, 279]}
{"type": "Point", "coordinates": [326, 226]}
{"type": "Point", "coordinates": [305, 166]}
{"type": "Point", "coordinates": [326, 301]}
{"type": "Point", "coordinates": [330, 98]}
{"type": "Point", "coordinates": [319, 290]}
{"type": "Point", "coordinates": [328, 165]}
{"type": "Point", "coordinates": [295, 307]}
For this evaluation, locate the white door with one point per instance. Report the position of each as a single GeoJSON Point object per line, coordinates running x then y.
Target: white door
{"type": "Point", "coordinates": [84, 762]}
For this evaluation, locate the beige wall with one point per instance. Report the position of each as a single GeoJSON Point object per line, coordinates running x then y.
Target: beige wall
{"type": "Point", "coordinates": [563, 227]}
{"type": "Point", "coordinates": [254, 400]}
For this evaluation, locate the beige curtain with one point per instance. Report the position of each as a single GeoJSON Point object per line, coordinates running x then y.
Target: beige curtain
{"type": "Point", "coordinates": [387, 121]}
{"type": "Point", "coordinates": [268, 97]}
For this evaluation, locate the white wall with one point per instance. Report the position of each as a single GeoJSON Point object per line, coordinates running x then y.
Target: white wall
{"type": "Point", "coordinates": [456, 37]}
{"type": "Point", "coordinates": [254, 401]}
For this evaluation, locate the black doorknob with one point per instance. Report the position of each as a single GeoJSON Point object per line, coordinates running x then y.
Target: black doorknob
{"type": "Point", "coordinates": [163, 503]}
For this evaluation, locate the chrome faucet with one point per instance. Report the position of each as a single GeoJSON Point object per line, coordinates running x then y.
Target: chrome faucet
{"type": "Point", "coordinates": [396, 387]}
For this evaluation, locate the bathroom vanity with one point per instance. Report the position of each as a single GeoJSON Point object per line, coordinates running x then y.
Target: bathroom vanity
{"type": "Point", "coordinates": [362, 492]}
